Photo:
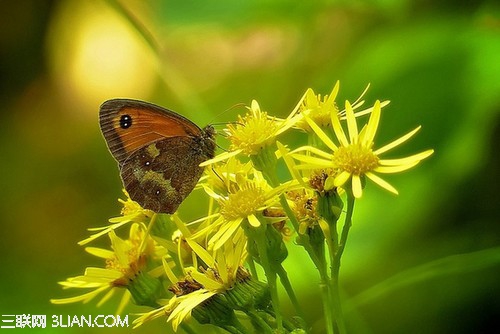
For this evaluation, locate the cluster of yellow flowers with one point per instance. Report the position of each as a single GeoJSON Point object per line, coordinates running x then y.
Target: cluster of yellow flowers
{"type": "Point", "coordinates": [207, 268]}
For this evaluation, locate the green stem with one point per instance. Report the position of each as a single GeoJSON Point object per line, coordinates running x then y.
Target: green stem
{"type": "Point", "coordinates": [289, 290]}
{"type": "Point", "coordinates": [320, 264]}
{"type": "Point", "coordinates": [239, 326]}
{"type": "Point", "coordinates": [261, 242]}
{"type": "Point", "coordinates": [335, 269]}
{"type": "Point", "coordinates": [263, 325]}
{"type": "Point", "coordinates": [187, 328]}
{"type": "Point", "coordinates": [234, 330]}
{"type": "Point", "coordinates": [327, 302]}
{"type": "Point", "coordinates": [325, 290]}
{"type": "Point", "coordinates": [253, 269]}
{"type": "Point", "coordinates": [345, 231]}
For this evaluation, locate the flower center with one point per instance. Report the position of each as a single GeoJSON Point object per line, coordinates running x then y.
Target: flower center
{"type": "Point", "coordinates": [252, 133]}
{"type": "Point", "coordinates": [243, 203]}
{"type": "Point", "coordinates": [355, 159]}
{"type": "Point", "coordinates": [319, 110]}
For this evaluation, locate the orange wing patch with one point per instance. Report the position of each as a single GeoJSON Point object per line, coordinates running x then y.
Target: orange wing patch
{"type": "Point", "coordinates": [148, 127]}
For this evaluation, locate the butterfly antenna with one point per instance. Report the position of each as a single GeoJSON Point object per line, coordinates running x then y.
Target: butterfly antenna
{"type": "Point", "coordinates": [238, 105]}
{"type": "Point", "coordinates": [226, 183]}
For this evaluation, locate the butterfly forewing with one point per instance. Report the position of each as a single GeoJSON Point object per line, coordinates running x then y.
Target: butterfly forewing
{"type": "Point", "coordinates": [128, 125]}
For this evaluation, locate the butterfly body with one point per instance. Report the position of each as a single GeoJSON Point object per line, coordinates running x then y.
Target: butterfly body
{"type": "Point", "coordinates": [158, 151]}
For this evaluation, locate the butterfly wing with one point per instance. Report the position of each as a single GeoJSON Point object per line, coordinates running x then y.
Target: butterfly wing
{"type": "Point", "coordinates": [158, 151]}
{"type": "Point", "coordinates": [128, 125]}
{"type": "Point", "coordinates": [161, 175]}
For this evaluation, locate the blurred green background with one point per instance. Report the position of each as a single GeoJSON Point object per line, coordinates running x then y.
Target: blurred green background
{"type": "Point", "coordinates": [437, 61]}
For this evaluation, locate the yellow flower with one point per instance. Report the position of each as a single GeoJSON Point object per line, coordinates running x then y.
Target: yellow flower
{"type": "Point", "coordinates": [126, 259]}
{"type": "Point", "coordinates": [245, 201]}
{"type": "Point", "coordinates": [131, 212]}
{"type": "Point", "coordinates": [223, 176]}
{"type": "Point", "coordinates": [354, 157]}
{"type": "Point", "coordinates": [219, 273]}
{"type": "Point", "coordinates": [320, 109]}
{"type": "Point", "coordinates": [254, 132]}
{"type": "Point", "coordinates": [304, 206]}
{"type": "Point", "coordinates": [317, 108]}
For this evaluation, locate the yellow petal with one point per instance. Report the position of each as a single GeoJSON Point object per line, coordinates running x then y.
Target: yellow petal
{"type": "Point", "coordinates": [123, 302]}
{"type": "Point", "coordinates": [221, 261]}
{"type": "Point", "coordinates": [227, 233]}
{"type": "Point", "coordinates": [338, 130]}
{"type": "Point", "coordinates": [371, 128]}
{"type": "Point", "coordinates": [106, 297]}
{"type": "Point", "coordinates": [170, 274]}
{"type": "Point", "coordinates": [333, 94]}
{"type": "Point", "coordinates": [342, 178]}
{"type": "Point", "coordinates": [352, 125]}
{"type": "Point", "coordinates": [201, 252]}
{"type": "Point", "coordinates": [397, 142]}
{"type": "Point", "coordinates": [187, 305]}
{"type": "Point", "coordinates": [290, 164]}
{"type": "Point", "coordinates": [357, 189]}
{"type": "Point", "coordinates": [207, 282]}
{"type": "Point", "coordinates": [395, 169]}
{"type": "Point", "coordinates": [100, 252]}
{"type": "Point", "coordinates": [310, 166]}
{"type": "Point", "coordinates": [358, 101]}
{"type": "Point", "coordinates": [86, 297]}
{"type": "Point", "coordinates": [314, 150]}
{"type": "Point", "coordinates": [253, 221]}
{"type": "Point", "coordinates": [220, 157]}
{"type": "Point", "coordinates": [382, 183]}
{"type": "Point", "coordinates": [403, 161]}
{"type": "Point", "coordinates": [312, 160]}
{"type": "Point", "coordinates": [324, 138]}
{"type": "Point", "coordinates": [297, 107]}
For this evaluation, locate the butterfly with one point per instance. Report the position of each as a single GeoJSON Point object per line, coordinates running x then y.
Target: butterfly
{"type": "Point", "coordinates": [158, 151]}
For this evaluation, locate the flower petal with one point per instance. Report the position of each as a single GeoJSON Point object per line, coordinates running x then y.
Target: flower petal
{"type": "Point", "coordinates": [290, 164]}
{"type": "Point", "coordinates": [395, 169]}
{"type": "Point", "coordinates": [187, 305]}
{"type": "Point", "coordinates": [382, 183]}
{"type": "Point", "coordinates": [170, 274]}
{"type": "Point", "coordinates": [371, 128]}
{"type": "Point", "coordinates": [324, 138]}
{"type": "Point", "coordinates": [357, 188]}
{"type": "Point", "coordinates": [408, 160]}
{"type": "Point", "coordinates": [338, 130]}
{"type": "Point", "coordinates": [220, 157]}
{"type": "Point", "coordinates": [206, 281]}
{"type": "Point", "coordinates": [352, 125]}
{"type": "Point", "coordinates": [312, 160]}
{"type": "Point", "coordinates": [397, 142]}
{"type": "Point", "coordinates": [201, 252]}
{"type": "Point", "coordinates": [341, 179]}
{"type": "Point", "coordinates": [253, 220]}
{"type": "Point", "coordinates": [333, 95]}
{"type": "Point", "coordinates": [314, 150]}
{"type": "Point", "coordinates": [227, 232]}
